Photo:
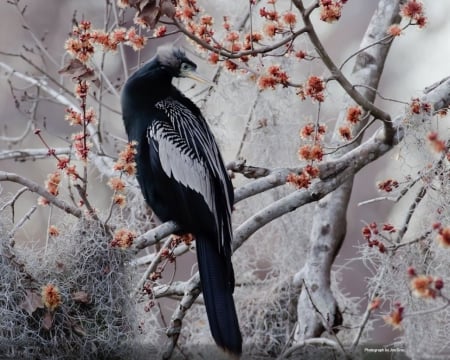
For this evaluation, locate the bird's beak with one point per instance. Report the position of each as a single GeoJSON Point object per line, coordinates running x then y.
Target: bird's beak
{"type": "Point", "coordinates": [192, 74]}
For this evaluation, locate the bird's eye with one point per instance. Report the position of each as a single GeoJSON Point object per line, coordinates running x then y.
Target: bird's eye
{"type": "Point", "coordinates": [185, 67]}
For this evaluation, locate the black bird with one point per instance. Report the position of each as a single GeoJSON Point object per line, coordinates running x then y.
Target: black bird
{"type": "Point", "coordinates": [183, 178]}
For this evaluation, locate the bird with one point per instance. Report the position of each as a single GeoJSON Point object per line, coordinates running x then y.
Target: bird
{"type": "Point", "coordinates": [182, 176]}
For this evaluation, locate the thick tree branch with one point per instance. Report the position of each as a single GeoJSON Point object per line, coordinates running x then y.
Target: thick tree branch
{"type": "Point", "coordinates": [191, 292]}
{"type": "Point", "coordinates": [154, 235]}
{"type": "Point", "coordinates": [329, 222]}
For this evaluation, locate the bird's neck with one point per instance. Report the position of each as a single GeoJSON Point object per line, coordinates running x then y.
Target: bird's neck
{"type": "Point", "coordinates": [152, 86]}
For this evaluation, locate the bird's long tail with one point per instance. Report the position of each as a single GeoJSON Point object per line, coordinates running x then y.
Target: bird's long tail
{"type": "Point", "coordinates": [217, 281]}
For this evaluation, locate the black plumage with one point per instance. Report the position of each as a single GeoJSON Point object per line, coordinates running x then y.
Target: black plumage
{"type": "Point", "coordinates": [183, 178]}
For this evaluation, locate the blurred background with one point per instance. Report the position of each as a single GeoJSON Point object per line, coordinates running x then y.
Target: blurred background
{"type": "Point", "coordinates": [417, 59]}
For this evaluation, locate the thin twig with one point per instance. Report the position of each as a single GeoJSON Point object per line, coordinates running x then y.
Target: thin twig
{"type": "Point", "coordinates": [38, 42]}
{"type": "Point", "coordinates": [147, 259]}
{"type": "Point", "coordinates": [369, 310]}
{"type": "Point", "coordinates": [412, 208]}
{"type": "Point", "coordinates": [13, 201]}
{"type": "Point", "coordinates": [121, 46]}
{"type": "Point", "coordinates": [352, 141]}
{"type": "Point", "coordinates": [238, 54]}
{"type": "Point", "coordinates": [47, 237]}
{"type": "Point", "coordinates": [22, 221]}
{"type": "Point", "coordinates": [17, 139]}
{"type": "Point", "coordinates": [430, 311]}
{"type": "Point", "coordinates": [397, 198]}
{"type": "Point", "coordinates": [151, 268]}
{"type": "Point", "coordinates": [105, 78]}
{"type": "Point", "coordinates": [83, 195]}
{"type": "Point", "coordinates": [376, 91]}
{"type": "Point", "coordinates": [60, 86]}
{"type": "Point", "coordinates": [338, 75]}
{"type": "Point", "coordinates": [422, 237]}
{"type": "Point", "coordinates": [247, 125]}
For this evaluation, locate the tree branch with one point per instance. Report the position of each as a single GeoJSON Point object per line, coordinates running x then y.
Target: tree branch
{"type": "Point", "coordinates": [238, 54]}
{"type": "Point", "coordinates": [329, 220]}
{"type": "Point", "coordinates": [31, 154]}
{"type": "Point", "coordinates": [335, 71]}
{"type": "Point", "coordinates": [36, 188]}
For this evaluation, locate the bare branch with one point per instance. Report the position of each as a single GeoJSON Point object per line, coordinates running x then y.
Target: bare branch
{"type": "Point", "coordinates": [13, 201]}
{"type": "Point", "coordinates": [430, 311]}
{"type": "Point", "coordinates": [60, 98]}
{"type": "Point", "coordinates": [32, 33]}
{"type": "Point", "coordinates": [121, 46]}
{"type": "Point", "coordinates": [19, 138]}
{"type": "Point", "coordinates": [31, 154]}
{"type": "Point", "coordinates": [251, 172]}
{"type": "Point", "coordinates": [154, 235]}
{"type": "Point", "coordinates": [422, 237]}
{"type": "Point", "coordinates": [36, 188]}
{"type": "Point", "coordinates": [176, 288]}
{"type": "Point", "coordinates": [151, 268]}
{"type": "Point", "coordinates": [192, 291]}
{"type": "Point", "coordinates": [22, 221]}
{"type": "Point", "coordinates": [313, 341]}
{"type": "Point", "coordinates": [276, 178]}
{"type": "Point", "coordinates": [368, 311]}
{"type": "Point", "coordinates": [329, 220]}
{"type": "Point", "coordinates": [337, 73]}
{"type": "Point", "coordinates": [103, 164]}
{"type": "Point", "coordinates": [147, 259]}
{"type": "Point", "coordinates": [397, 198]}
{"type": "Point", "coordinates": [238, 54]}
{"type": "Point", "coordinates": [412, 208]}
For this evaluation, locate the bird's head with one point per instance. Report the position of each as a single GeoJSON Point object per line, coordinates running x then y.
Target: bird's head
{"type": "Point", "coordinates": [175, 61]}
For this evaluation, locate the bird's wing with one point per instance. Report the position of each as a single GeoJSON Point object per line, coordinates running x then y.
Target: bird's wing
{"type": "Point", "coordinates": [179, 160]}
{"type": "Point", "coordinates": [188, 152]}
